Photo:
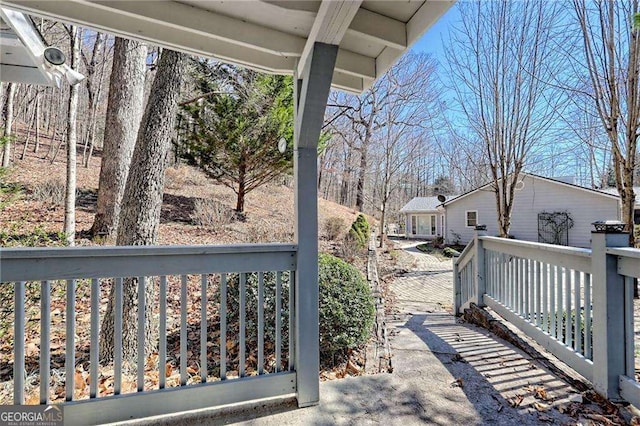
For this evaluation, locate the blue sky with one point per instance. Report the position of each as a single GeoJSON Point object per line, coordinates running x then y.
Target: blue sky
{"type": "Point", "coordinates": [432, 40]}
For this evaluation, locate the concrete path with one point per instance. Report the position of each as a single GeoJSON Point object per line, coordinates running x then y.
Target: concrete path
{"type": "Point", "coordinates": [445, 372]}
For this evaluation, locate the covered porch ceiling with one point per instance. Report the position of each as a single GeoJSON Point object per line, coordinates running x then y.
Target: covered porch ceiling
{"type": "Point", "coordinates": [274, 36]}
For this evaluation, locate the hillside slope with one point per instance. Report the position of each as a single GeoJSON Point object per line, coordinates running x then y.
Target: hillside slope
{"type": "Point", "coordinates": [195, 210]}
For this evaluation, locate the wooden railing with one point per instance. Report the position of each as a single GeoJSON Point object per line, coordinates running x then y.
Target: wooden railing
{"type": "Point", "coordinates": [575, 302]}
{"type": "Point", "coordinates": [465, 272]}
{"type": "Point", "coordinates": [225, 325]}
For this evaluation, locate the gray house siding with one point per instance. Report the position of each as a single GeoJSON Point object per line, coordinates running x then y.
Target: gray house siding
{"type": "Point", "coordinates": [538, 195]}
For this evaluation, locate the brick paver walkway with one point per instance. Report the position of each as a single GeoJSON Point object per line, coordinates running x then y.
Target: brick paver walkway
{"type": "Point", "coordinates": [429, 285]}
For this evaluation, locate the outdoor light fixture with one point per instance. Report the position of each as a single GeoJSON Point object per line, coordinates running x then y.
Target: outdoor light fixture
{"type": "Point", "coordinates": [54, 56]}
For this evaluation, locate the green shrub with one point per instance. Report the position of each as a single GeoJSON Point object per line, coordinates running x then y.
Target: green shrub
{"type": "Point", "coordinates": [360, 231]}
{"type": "Point", "coordinates": [346, 308]}
{"type": "Point", "coordinates": [363, 226]}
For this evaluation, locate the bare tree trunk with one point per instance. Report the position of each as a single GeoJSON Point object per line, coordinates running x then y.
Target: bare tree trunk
{"type": "Point", "coordinates": [142, 198]}
{"type": "Point", "coordinates": [26, 139]}
{"type": "Point", "coordinates": [362, 173]}
{"type": "Point", "coordinates": [124, 112]}
{"type": "Point", "coordinates": [8, 127]}
{"type": "Point", "coordinates": [70, 198]}
{"type": "Point", "coordinates": [612, 57]}
{"type": "Point", "coordinates": [93, 93]}
{"type": "Point", "coordinates": [37, 142]}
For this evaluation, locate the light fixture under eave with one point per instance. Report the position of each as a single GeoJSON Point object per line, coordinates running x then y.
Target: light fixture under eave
{"type": "Point", "coordinates": [54, 56]}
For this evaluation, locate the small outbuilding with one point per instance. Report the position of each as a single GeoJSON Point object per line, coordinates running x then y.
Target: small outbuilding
{"type": "Point", "coordinates": [544, 210]}
{"type": "Point", "coordinates": [424, 217]}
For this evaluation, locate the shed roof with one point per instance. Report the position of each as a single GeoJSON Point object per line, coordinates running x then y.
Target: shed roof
{"type": "Point", "coordinates": [421, 204]}
{"type": "Point", "coordinates": [534, 176]}
{"type": "Point", "coordinates": [268, 35]}
{"type": "Point", "coordinates": [614, 191]}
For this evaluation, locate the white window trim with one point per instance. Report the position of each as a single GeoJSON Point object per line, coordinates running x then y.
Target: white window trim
{"type": "Point", "coordinates": [466, 218]}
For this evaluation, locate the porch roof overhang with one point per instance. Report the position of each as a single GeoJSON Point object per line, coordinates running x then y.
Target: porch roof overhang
{"type": "Point", "coordinates": [274, 36]}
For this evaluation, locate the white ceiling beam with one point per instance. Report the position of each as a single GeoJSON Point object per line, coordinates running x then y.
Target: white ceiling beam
{"type": "Point", "coordinates": [355, 64]}
{"type": "Point", "coordinates": [425, 17]}
{"type": "Point", "coordinates": [386, 59]}
{"type": "Point", "coordinates": [347, 83]}
{"type": "Point", "coordinates": [138, 27]}
{"type": "Point", "coordinates": [330, 25]}
{"type": "Point", "coordinates": [182, 27]}
{"type": "Point", "coordinates": [211, 24]}
{"type": "Point", "coordinates": [366, 24]}
{"type": "Point", "coordinates": [379, 28]}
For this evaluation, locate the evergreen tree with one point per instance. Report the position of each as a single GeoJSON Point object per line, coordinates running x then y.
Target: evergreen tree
{"type": "Point", "coordinates": [232, 132]}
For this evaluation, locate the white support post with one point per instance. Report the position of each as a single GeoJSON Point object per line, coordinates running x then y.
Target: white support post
{"type": "Point", "coordinates": [480, 278]}
{"type": "Point", "coordinates": [311, 94]}
{"type": "Point", "coordinates": [609, 294]}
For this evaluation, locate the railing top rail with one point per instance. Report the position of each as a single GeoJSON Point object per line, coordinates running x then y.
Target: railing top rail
{"type": "Point", "coordinates": [574, 251]}
{"type": "Point", "coordinates": [35, 264]}
{"type": "Point", "coordinates": [631, 252]}
{"type": "Point", "coordinates": [173, 250]}
{"type": "Point", "coordinates": [468, 251]}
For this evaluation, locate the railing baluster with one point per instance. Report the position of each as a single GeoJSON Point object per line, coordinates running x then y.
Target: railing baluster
{"type": "Point", "coordinates": [93, 347]}
{"type": "Point", "coordinates": [183, 330]}
{"type": "Point", "coordinates": [18, 362]}
{"type": "Point", "coordinates": [488, 268]}
{"type": "Point", "coordinates": [223, 326]}
{"type": "Point", "coordinates": [559, 319]}
{"type": "Point", "coordinates": [279, 319]}
{"type": "Point", "coordinates": [577, 331]}
{"type": "Point", "coordinates": [503, 280]}
{"type": "Point", "coordinates": [518, 305]}
{"type": "Point", "coordinates": [568, 323]}
{"type": "Point", "coordinates": [117, 337]}
{"type": "Point", "coordinates": [70, 355]}
{"type": "Point", "coordinates": [162, 350]}
{"type": "Point", "coordinates": [545, 297]}
{"type": "Point", "coordinates": [587, 316]}
{"type": "Point", "coordinates": [141, 314]}
{"type": "Point", "coordinates": [538, 294]}
{"type": "Point", "coordinates": [532, 288]}
{"type": "Point", "coordinates": [260, 322]}
{"type": "Point", "coordinates": [512, 283]}
{"type": "Point", "coordinates": [45, 336]}
{"type": "Point", "coordinates": [243, 324]}
{"type": "Point", "coordinates": [628, 329]}
{"type": "Point", "coordinates": [203, 329]}
{"type": "Point", "coordinates": [292, 316]}
{"type": "Point", "coordinates": [526, 287]}
{"type": "Point", "coordinates": [552, 307]}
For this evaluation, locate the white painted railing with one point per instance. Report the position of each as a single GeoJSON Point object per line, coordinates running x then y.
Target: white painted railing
{"type": "Point", "coordinates": [245, 348]}
{"type": "Point", "coordinates": [577, 303]}
{"type": "Point", "coordinates": [546, 291]}
{"type": "Point", "coordinates": [464, 270]}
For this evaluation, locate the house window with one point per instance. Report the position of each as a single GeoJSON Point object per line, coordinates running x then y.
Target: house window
{"type": "Point", "coordinates": [472, 218]}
